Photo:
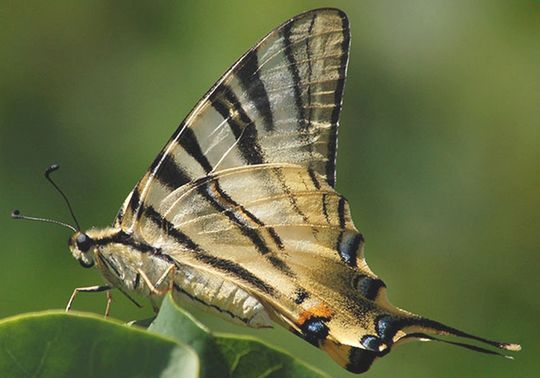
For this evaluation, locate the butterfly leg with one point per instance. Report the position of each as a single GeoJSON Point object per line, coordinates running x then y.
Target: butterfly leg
{"type": "Point", "coordinates": [153, 288]}
{"type": "Point", "coordinates": [169, 273]}
{"type": "Point", "coordinates": [89, 289]}
{"type": "Point", "coordinates": [108, 305]}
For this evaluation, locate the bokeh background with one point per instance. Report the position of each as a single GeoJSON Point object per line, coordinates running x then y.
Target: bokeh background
{"type": "Point", "coordinates": [439, 150]}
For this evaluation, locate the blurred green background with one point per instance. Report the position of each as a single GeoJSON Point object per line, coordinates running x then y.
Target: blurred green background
{"type": "Point", "coordinates": [439, 150]}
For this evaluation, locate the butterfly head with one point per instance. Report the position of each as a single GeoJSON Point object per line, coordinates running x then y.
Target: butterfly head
{"type": "Point", "coordinates": [83, 247]}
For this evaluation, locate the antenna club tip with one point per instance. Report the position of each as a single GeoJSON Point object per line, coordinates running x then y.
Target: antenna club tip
{"type": "Point", "coordinates": [15, 213]}
{"type": "Point", "coordinates": [51, 168]}
{"type": "Point", "coordinates": [512, 347]}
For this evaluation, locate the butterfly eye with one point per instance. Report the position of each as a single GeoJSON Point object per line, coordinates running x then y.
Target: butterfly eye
{"type": "Point", "coordinates": [83, 242]}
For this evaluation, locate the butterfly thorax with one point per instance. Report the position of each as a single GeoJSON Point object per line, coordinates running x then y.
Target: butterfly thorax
{"type": "Point", "coordinates": [121, 259]}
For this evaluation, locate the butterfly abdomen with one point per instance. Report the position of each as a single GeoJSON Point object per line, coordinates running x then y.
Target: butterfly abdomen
{"type": "Point", "coordinates": [214, 293]}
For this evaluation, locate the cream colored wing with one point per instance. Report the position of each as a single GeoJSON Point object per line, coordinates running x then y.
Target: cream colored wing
{"type": "Point", "coordinates": [279, 235]}
{"type": "Point", "coordinates": [282, 234]}
{"type": "Point", "coordinates": [266, 209]}
{"type": "Point", "coordinates": [242, 201]}
{"type": "Point", "coordinates": [279, 103]}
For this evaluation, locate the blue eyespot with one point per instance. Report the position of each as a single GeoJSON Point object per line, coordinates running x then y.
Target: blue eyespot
{"type": "Point", "coordinates": [371, 343]}
{"type": "Point", "coordinates": [315, 330]}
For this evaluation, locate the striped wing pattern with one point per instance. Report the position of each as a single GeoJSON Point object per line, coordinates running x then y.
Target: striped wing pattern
{"type": "Point", "coordinates": [257, 229]}
{"type": "Point", "coordinates": [279, 103]}
{"type": "Point", "coordinates": [245, 186]}
{"type": "Point", "coordinates": [290, 242]}
{"type": "Point", "coordinates": [241, 201]}
{"type": "Point", "coordinates": [244, 189]}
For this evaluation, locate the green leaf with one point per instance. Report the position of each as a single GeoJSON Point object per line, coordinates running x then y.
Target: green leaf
{"type": "Point", "coordinates": [223, 355]}
{"type": "Point", "coordinates": [57, 344]}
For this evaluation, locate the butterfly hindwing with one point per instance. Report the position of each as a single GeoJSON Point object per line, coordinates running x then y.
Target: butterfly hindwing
{"type": "Point", "coordinates": [281, 233]}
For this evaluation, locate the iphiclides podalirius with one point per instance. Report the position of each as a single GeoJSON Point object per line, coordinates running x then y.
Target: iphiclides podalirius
{"type": "Point", "coordinates": [238, 213]}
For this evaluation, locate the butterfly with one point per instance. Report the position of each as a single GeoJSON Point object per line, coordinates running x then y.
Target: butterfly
{"type": "Point", "coordinates": [239, 214]}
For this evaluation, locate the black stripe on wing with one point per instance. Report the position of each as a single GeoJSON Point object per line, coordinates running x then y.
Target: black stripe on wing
{"type": "Point", "coordinates": [189, 142]}
{"type": "Point", "coordinates": [255, 100]}
{"type": "Point", "coordinates": [203, 256]}
{"type": "Point", "coordinates": [338, 99]}
{"type": "Point", "coordinates": [254, 87]}
{"type": "Point", "coordinates": [169, 173]}
{"type": "Point", "coordinates": [249, 225]}
{"type": "Point", "coordinates": [225, 205]}
{"type": "Point", "coordinates": [295, 74]}
{"type": "Point", "coordinates": [244, 129]}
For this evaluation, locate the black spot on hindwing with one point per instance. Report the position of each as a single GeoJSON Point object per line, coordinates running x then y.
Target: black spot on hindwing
{"type": "Point", "coordinates": [300, 296]}
{"type": "Point", "coordinates": [360, 360]}
{"type": "Point", "coordinates": [314, 330]}
{"type": "Point", "coordinates": [368, 286]}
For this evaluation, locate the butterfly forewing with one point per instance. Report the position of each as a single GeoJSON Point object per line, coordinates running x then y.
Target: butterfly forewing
{"type": "Point", "coordinates": [279, 103]}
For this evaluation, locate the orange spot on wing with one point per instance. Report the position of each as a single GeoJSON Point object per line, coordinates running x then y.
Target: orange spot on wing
{"type": "Point", "coordinates": [319, 311]}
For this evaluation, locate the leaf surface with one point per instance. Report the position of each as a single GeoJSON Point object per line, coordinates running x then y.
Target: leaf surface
{"type": "Point", "coordinates": [59, 344]}
{"type": "Point", "coordinates": [223, 355]}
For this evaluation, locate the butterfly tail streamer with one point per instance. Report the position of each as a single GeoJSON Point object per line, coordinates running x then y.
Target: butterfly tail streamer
{"type": "Point", "coordinates": [425, 337]}
{"type": "Point", "coordinates": [396, 330]}
{"type": "Point", "coordinates": [422, 329]}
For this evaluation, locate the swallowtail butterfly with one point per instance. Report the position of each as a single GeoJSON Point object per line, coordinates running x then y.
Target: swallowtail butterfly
{"type": "Point", "coordinates": [239, 213]}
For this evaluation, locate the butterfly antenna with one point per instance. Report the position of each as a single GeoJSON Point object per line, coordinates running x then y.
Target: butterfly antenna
{"type": "Point", "coordinates": [16, 214]}
{"type": "Point", "coordinates": [48, 171]}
